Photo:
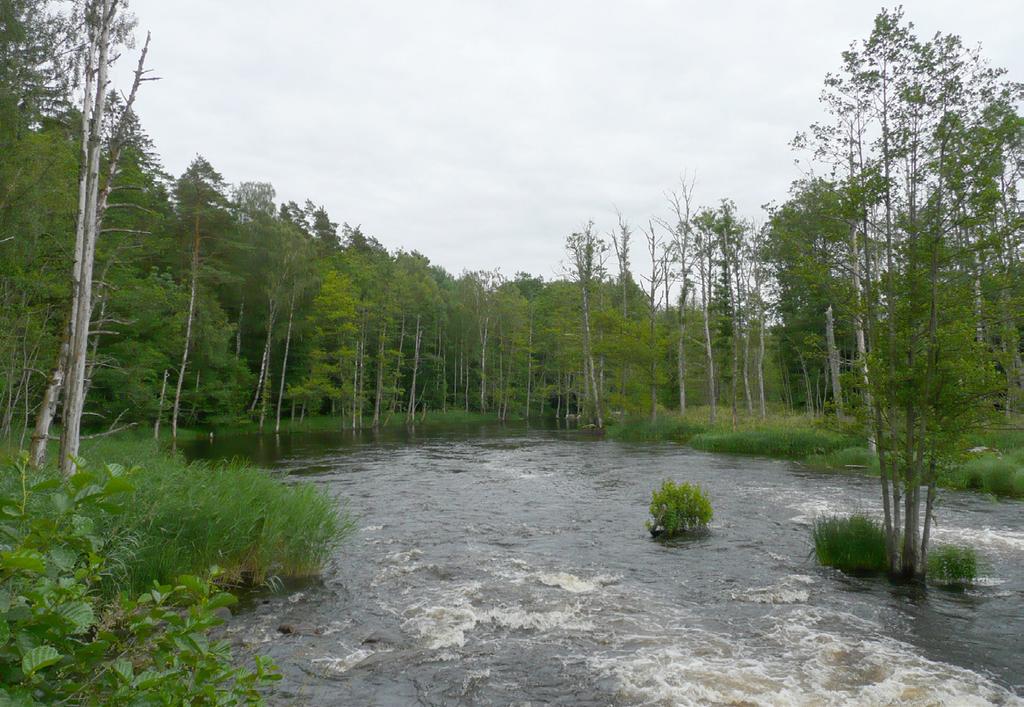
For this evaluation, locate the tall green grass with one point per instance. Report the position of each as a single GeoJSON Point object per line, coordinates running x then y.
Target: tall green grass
{"type": "Point", "coordinates": [854, 544]}
{"type": "Point", "coordinates": [183, 518]}
{"type": "Point", "coordinates": [665, 428]}
{"type": "Point", "coordinates": [845, 458]}
{"type": "Point", "coordinates": [790, 443]}
{"type": "Point", "coordinates": [1000, 476]}
{"type": "Point", "coordinates": [952, 565]}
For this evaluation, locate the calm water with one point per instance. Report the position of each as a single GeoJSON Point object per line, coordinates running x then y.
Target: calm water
{"type": "Point", "coordinates": [511, 566]}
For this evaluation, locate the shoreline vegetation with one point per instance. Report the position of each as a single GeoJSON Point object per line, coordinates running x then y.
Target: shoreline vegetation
{"type": "Point", "coordinates": [992, 461]}
{"type": "Point", "coordinates": [184, 517]}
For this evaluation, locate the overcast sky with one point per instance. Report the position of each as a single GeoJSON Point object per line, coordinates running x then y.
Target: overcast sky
{"type": "Point", "coordinates": [481, 132]}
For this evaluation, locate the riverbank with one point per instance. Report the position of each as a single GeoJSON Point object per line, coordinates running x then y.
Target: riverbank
{"type": "Point", "coordinates": [992, 461]}
{"type": "Point", "coordinates": [186, 517]}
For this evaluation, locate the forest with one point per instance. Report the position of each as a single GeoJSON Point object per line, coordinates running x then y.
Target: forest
{"type": "Point", "coordinates": [882, 300]}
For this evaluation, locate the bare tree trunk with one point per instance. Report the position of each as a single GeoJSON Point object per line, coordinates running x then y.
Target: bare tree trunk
{"type": "Point", "coordinates": [74, 383]}
{"type": "Point", "coordinates": [681, 350]}
{"type": "Point", "coordinates": [381, 340]}
{"type": "Point", "coordinates": [529, 366]}
{"type": "Point", "coordinates": [833, 362]}
{"type": "Point", "coordinates": [483, 365]}
{"type": "Point", "coordinates": [709, 351]}
{"type": "Point", "coordinates": [160, 408]}
{"type": "Point", "coordinates": [188, 329]}
{"type": "Point", "coordinates": [398, 367]}
{"type": "Point", "coordinates": [760, 363]}
{"type": "Point", "coordinates": [411, 411]}
{"type": "Point", "coordinates": [48, 409]}
{"type": "Point", "coordinates": [284, 364]}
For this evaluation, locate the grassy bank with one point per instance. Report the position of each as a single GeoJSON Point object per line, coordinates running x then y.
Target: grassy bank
{"type": "Point", "coordinates": [780, 435]}
{"type": "Point", "coordinates": [997, 468]}
{"type": "Point", "coordinates": [183, 518]}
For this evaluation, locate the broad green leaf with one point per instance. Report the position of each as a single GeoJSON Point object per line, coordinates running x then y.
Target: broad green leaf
{"type": "Point", "coordinates": [28, 560]}
{"type": "Point", "coordinates": [79, 614]}
{"type": "Point", "coordinates": [124, 670]}
{"type": "Point", "coordinates": [39, 658]}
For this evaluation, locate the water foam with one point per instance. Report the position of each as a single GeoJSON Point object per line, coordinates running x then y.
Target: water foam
{"type": "Point", "coordinates": [798, 660]}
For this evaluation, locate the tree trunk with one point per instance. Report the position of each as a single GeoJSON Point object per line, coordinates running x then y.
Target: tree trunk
{"type": "Point", "coordinates": [74, 397]}
{"type": "Point", "coordinates": [833, 362]}
{"type": "Point", "coordinates": [411, 411]}
{"type": "Point", "coordinates": [188, 329]}
{"type": "Point", "coordinates": [160, 408]}
{"type": "Point", "coordinates": [284, 364]}
{"type": "Point", "coordinates": [378, 396]}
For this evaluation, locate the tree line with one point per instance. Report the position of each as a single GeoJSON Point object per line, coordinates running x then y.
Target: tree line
{"type": "Point", "coordinates": [884, 293]}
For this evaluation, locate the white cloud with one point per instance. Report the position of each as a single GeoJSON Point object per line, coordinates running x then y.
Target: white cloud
{"type": "Point", "coordinates": [481, 133]}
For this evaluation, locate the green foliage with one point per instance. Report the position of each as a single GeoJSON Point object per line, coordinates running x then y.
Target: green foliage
{"type": "Point", "coordinates": [952, 565]}
{"type": "Point", "coordinates": [1001, 476]}
{"type": "Point", "coordinates": [59, 643]}
{"type": "Point", "coordinates": [677, 509]}
{"type": "Point", "coordinates": [787, 443]}
{"type": "Point", "coordinates": [666, 427]}
{"type": "Point", "coordinates": [846, 458]}
{"type": "Point", "coordinates": [185, 517]}
{"type": "Point", "coordinates": [854, 544]}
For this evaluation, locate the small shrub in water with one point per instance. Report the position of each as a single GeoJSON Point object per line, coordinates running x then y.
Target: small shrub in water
{"type": "Point", "coordinates": [852, 544]}
{"type": "Point", "coordinates": [677, 509]}
{"type": "Point", "coordinates": [953, 565]}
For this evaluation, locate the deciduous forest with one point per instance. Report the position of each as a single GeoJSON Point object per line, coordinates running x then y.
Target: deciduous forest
{"type": "Point", "coordinates": [882, 301]}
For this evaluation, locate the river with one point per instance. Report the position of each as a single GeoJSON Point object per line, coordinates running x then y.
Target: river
{"type": "Point", "coordinates": [507, 565]}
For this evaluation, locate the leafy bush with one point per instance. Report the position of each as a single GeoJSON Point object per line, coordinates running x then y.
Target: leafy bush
{"type": "Point", "coordinates": [853, 544]}
{"type": "Point", "coordinates": [952, 564]}
{"type": "Point", "coordinates": [677, 509]}
{"type": "Point", "coordinates": [787, 443]}
{"type": "Point", "coordinates": [59, 644]}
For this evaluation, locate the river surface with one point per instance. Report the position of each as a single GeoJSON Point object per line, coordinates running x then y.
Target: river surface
{"type": "Point", "coordinates": [510, 566]}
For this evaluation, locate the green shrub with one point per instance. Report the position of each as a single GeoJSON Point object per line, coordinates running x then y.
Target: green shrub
{"type": "Point", "coordinates": [59, 644]}
{"type": "Point", "coordinates": [853, 544]}
{"type": "Point", "coordinates": [677, 509]}
{"type": "Point", "coordinates": [952, 564]}
{"type": "Point", "coordinates": [857, 457]}
{"type": "Point", "coordinates": [665, 428]}
{"type": "Point", "coordinates": [788, 443]}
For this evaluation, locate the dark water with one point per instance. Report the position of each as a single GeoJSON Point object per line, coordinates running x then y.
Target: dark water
{"type": "Point", "coordinates": [511, 566]}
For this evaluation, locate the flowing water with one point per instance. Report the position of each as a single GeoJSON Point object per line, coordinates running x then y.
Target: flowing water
{"type": "Point", "coordinates": [511, 566]}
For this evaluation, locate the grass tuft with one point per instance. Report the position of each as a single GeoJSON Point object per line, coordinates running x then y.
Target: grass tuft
{"type": "Point", "coordinates": [854, 544]}
{"type": "Point", "coordinates": [953, 565]}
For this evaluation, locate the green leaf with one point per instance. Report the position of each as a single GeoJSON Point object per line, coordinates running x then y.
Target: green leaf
{"type": "Point", "coordinates": [118, 484]}
{"type": "Point", "coordinates": [39, 658]}
{"type": "Point", "coordinates": [28, 560]}
{"type": "Point", "coordinates": [79, 614]}
{"type": "Point", "coordinates": [221, 599]}
{"type": "Point", "coordinates": [124, 670]}
{"type": "Point", "coordinates": [5, 632]}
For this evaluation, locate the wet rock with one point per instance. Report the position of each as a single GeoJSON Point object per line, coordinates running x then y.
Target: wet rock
{"type": "Point", "coordinates": [289, 629]}
{"type": "Point", "coordinates": [383, 637]}
{"type": "Point", "coordinates": [223, 613]}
